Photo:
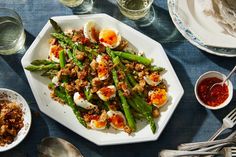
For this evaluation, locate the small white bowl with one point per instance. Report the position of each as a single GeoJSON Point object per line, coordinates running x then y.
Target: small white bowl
{"type": "Point", "coordinates": [7, 94]}
{"type": "Point", "coordinates": [220, 76]}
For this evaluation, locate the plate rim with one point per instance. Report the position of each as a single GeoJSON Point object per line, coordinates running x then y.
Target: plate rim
{"type": "Point", "coordinates": [98, 142]}
{"type": "Point", "coordinates": [26, 105]}
{"type": "Point", "coordinates": [186, 36]}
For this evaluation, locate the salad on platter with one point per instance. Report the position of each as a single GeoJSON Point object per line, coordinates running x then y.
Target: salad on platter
{"type": "Point", "coordinates": [106, 85]}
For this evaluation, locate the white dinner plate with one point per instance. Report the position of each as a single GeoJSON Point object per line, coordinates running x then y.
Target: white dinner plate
{"type": "Point", "coordinates": [201, 30]}
{"type": "Point", "coordinates": [7, 94]}
{"type": "Point", "coordinates": [64, 115]}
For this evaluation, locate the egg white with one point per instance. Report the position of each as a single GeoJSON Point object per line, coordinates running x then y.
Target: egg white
{"type": "Point", "coordinates": [88, 31]}
{"type": "Point", "coordinates": [93, 125]}
{"type": "Point", "coordinates": [150, 81]}
{"type": "Point", "coordinates": [112, 113]}
{"type": "Point", "coordinates": [79, 101]}
{"type": "Point", "coordinates": [150, 93]}
{"type": "Point", "coordinates": [108, 45]}
{"type": "Point", "coordinates": [101, 61]}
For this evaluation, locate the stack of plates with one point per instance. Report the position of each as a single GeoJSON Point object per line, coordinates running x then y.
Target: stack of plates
{"type": "Point", "coordinates": [201, 30]}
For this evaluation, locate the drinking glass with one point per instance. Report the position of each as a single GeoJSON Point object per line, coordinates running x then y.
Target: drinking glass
{"type": "Point", "coordinates": [12, 35]}
{"type": "Point", "coordinates": [78, 6]}
{"type": "Point", "coordinates": [134, 9]}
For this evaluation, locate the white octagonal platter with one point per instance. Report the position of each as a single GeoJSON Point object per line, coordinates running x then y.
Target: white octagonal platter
{"type": "Point", "coordinates": [63, 113]}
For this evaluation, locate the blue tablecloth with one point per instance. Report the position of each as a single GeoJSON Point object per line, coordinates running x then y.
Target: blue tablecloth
{"type": "Point", "coordinates": [190, 121]}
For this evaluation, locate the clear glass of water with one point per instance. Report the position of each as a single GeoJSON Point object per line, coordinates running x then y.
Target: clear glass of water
{"type": "Point", "coordinates": [134, 9]}
{"type": "Point", "coordinates": [12, 35]}
{"type": "Point", "coordinates": [78, 6]}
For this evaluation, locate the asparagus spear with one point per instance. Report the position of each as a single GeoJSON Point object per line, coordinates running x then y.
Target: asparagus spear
{"type": "Point", "coordinates": [42, 67]}
{"type": "Point", "coordinates": [106, 105]}
{"type": "Point", "coordinates": [124, 102]}
{"type": "Point", "coordinates": [62, 59]}
{"type": "Point", "coordinates": [137, 102]}
{"type": "Point", "coordinates": [60, 94]}
{"type": "Point", "coordinates": [157, 69]}
{"type": "Point", "coordinates": [62, 44]}
{"type": "Point", "coordinates": [75, 110]}
{"type": "Point", "coordinates": [56, 27]}
{"type": "Point", "coordinates": [41, 62]}
{"type": "Point", "coordinates": [63, 38]}
{"type": "Point", "coordinates": [68, 41]}
{"type": "Point", "coordinates": [50, 73]}
{"type": "Point", "coordinates": [88, 94]}
{"type": "Point", "coordinates": [125, 105]}
{"type": "Point", "coordinates": [133, 57]}
{"type": "Point", "coordinates": [75, 60]}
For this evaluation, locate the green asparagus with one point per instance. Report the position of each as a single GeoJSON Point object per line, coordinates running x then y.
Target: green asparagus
{"type": "Point", "coordinates": [42, 67]}
{"type": "Point", "coordinates": [75, 60]}
{"type": "Point", "coordinates": [138, 103]}
{"type": "Point", "coordinates": [125, 106]}
{"type": "Point", "coordinates": [41, 62]}
{"type": "Point", "coordinates": [157, 69]}
{"type": "Point", "coordinates": [60, 94]}
{"type": "Point", "coordinates": [75, 110]}
{"type": "Point", "coordinates": [50, 73]}
{"type": "Point", "coordinates": [63, 38]}
{"type": "Point", "coordinates": [133, 57]}
{"type": "Point", "coordinates": [62, 59]}
{"type": "Point", "coordinates": [106, 105]}
{"type": "Point", "coordinates": [56, 27]}
{"type": "Point", "coordinates": [67, 41]}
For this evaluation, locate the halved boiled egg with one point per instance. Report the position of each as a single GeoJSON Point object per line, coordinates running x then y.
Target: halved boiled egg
{"type": "Point", "coordinates": [102, 68]}
{"type": "Point", "coordinates": [158, 97]}
{"type": "Point", "coordinates": [117, 119]}
{"type": "Point", "coordinates": [153, 79]}
{"type": "Point", "coordinates": [106, 93]}
{"type": "Point", "coordinates": [54, 53]}
{"type": "Point", "coordinates": [91, 31]}
{"type": "Point", "coordinates": [109, 38]}
{"type": "Point", "coordinates": [80, 101]}
{"type": "Point", "coordinates": [99, 123]}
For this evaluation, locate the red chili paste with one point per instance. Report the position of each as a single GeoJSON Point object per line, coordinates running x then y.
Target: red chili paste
{"type": "Point", "coordinates": [214, 97]}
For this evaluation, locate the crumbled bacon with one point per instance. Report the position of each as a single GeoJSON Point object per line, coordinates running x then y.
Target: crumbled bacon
{"type": "Point", "coordinates": [11, 121]}
{"type": "Point", "coordinates": [155, 112]}
{"type": "Point", "coordinates": [80, 55]}
{"type": "Point", "coordinates": [82, 74]}
{"type": "Point", "coordinates": [93, 64]}
{"type": "Point", "coordinates": [96, 81]}
{"type": "Point", "coordinates": [129, 66]}
{"type": "Point", "coordinates": [139, 67]}
{"type": "Point", "coordinates": [101, 48]}
{"type": "Point", "coordinates": [137, 88]}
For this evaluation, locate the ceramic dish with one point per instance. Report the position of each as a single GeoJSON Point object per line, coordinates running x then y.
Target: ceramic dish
{"type": "Point", "coordinates": [7, 94]}
{"type": "Point", "coordinates": [196, 28]}
{"type": "Point", "coordinates": [220, 76]}
{"type": "Point", "coordinates": [64, 115]}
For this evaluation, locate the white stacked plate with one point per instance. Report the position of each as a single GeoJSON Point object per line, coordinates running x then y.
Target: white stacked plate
{"type": "Point", "coordinates": [201, 30]}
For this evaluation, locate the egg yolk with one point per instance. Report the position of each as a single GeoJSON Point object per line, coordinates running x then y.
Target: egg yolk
{"type": "Point", "coordinates": [99, 124]}
{"type": "Point", "coordinates": [154, 77]}
{"type": "Point", "coordinates": [102, 70]}
{"type": "Point", "coordinates": [117, 121]}
{"type": "Point", "coordinates": [55, 50]}
{"type": "Point", "coordinates": [108, 37]}
{"type": "Point", "coordinates": [107, 92]}
{"type": "Point", "coordinates": [158, 97]}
